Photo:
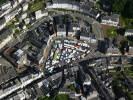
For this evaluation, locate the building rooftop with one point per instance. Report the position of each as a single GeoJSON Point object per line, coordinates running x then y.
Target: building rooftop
{"type": "Point", "coordinates": [2, 21]}
{"type": "Point", "coordinates": [129, 30]}
{"type": "Point", "coordinates": [65, 1]}
{"type": "Point", "coordinates": [7, 71]}
{"type": "Point", "coordinates": [114, 17]}
{"type": "Point", "coordinates": [4, 33]}
{"type": "Point", "coordinates": [93, 13]}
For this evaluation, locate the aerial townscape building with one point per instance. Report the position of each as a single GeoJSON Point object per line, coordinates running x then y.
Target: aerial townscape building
{"type": "Point", "coordinates": [112, 20]}
{"type": "Point", "coordinates": [129, 32]}
{"type": "Point", "coordinates": [66, 50]}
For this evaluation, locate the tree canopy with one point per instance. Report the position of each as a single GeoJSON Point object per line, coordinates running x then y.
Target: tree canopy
{"type": "Point", "coordinates": [119, 5]}
{"type": "Point", "coordinates": [124, 7]}
{"type": "Point", "coordinates": [2, 1]}
{"type": "Point", "coordinates": [128, 9]}
{"type": "Point", "coordinates": [58, 97]}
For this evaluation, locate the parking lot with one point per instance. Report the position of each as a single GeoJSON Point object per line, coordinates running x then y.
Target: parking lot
{"type": "Point", "coordinates": [65, 51]}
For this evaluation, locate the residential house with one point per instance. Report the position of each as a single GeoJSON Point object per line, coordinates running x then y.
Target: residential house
{"type": "Point", "coordinates": [6, 5]}
{"type": "Point", "coordinates": [25, 6]}
{"type": "Point", "coordinates": [12, 14]}
{"type": "Point", "coordinates": [2, 23]}
{"type": "Point", "coordinates": [94, 13]}
{"type": "Point", "coordinates": [24, 15]}
{"type": "Point", "coordinates": [62, 25]}
{"type": "Point", "coordinates": [14, 3]}
{"type": "Point", "coordinates": [94, 1]}
{"type": "Point", "coordinates": [5, 8]}
{"type": "Point", "coordinates": [39, 14]}
{"type": "Point", "coordinates": [19, 1]}
{"type": "Point", "coordinates": [129, 32]}
{"type": "Point", "coordinates": [5, 37]}
{"type": "Point", "coordinates": [20, 95]}
{"type": "Point", "coordinates": [112, 20]}
{"type": "Point", "coordinates": [21, 57]}
{"type": "Point", "coordinates": [76, 26]}
{"type": "Point", "coordinates": [27, 21]}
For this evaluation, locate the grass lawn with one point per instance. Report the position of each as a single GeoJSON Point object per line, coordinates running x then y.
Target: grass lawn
{"type": "Point", "coordinates": [43, 98]}
{"type": "Point", "coordinates": [127, 23]}
{"type": "Point", "coordinates": [109, 31]}
{"type": "Point", "coordinates": [71, 87]}
{"type": "Point", "coordinates": [56, 56]}
{"type": "Point", "coordinates": [62, 97]}
{"type": "Point", "coordinates": [11, 25]}
{"type": "Point", "coordinates": [58, 97]}
{"type": "Point", "coordinates": [129, 71]}
{"type": "Point", "coordinates": [130, 95]}
{"type": "Point", "coordinates": [37, 5]}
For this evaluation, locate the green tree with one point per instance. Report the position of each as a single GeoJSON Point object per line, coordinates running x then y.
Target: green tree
{"type": "Point", "coordinates": [111, 32]}
{"type": "Point", "coordinates": [62, 97]}
{"type": "Point", "coordinates": [128, 9]}
{"type": "Point", "coordinates": [124, 7]}
{"type": "Point", "coordinates": [43, 98]}
{"type": "Point", "coordinates": [118, 5]}
{"type": "Point", "coordinates": [122, 46]}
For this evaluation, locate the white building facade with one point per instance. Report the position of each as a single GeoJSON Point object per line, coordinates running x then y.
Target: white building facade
{"type": "Point", "coordinates": [112, 20]}
{"type": "Point", "coordinates": [129, 32]}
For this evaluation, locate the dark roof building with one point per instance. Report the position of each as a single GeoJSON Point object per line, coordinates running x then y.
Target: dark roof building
{"type": "Point", "coordinates": [94, 13]}
{"type": "Point", "coordinates": [7, 71]}
{"type": "Point", "coordinates": [112, 20]}
{"type": "Point", "coordinates": [4, 33]}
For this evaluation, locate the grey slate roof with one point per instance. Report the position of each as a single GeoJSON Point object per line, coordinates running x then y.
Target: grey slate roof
{"type": "Point", "coordinates": [7, 71]}
{"type": "Point", "coordinates": [2, 21]}
{"type": "Point", "coordinates": [4, 33]}
{"type": "Point", "coordinates": [129, 30]}
{"type": "Point", "coordinates": [113, 17]}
